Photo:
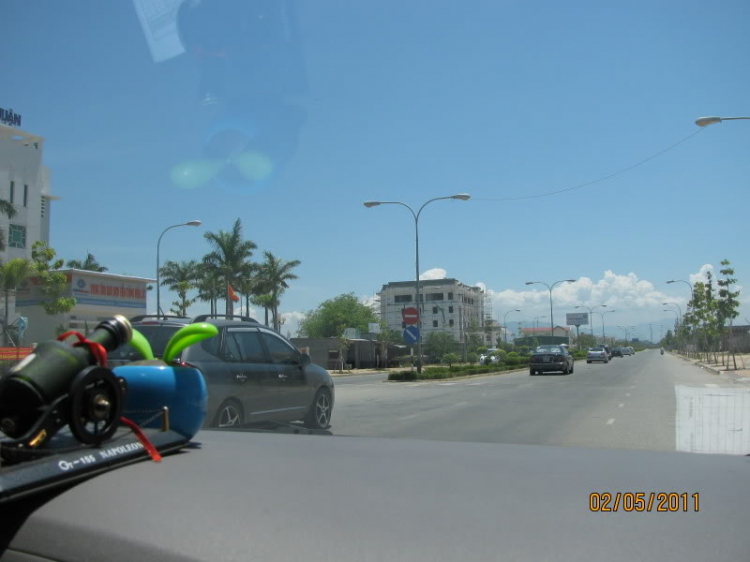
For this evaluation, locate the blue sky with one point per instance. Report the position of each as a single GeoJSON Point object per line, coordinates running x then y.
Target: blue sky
{"type": "Point", "coordinates": [409, 101]}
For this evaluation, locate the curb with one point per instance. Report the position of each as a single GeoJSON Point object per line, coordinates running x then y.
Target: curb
{"type": "Point", "coordinates": [337, 375]}
{"type": "Point", "coordinates": [482, 375]}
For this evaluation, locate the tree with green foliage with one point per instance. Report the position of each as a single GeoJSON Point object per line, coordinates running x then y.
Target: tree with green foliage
{"type": "Point", "coordinates": [229, 256]}
{"type": "Point", "coordinates": [437, 344]}
{"type": "Point", "coordinates": [472, 357]}
{"type": "Point", "coordinates": [333, 316]}
{"type": "Point", "coordinates": [53, 283]}
{"type": "Point", "coordinates": [728, 303]}
{"type": "Point", "coordinates": [180, 277]}
{"type": "Point", "coordinates": [12, 274]}
{"type": "Point", "coordinates": [7, 209]}
{"type": "Point", "coordinates": [88, 264]}
{"type": "Point", "coordinates": [276, 273]}
{"type": "Point", "coordinates": [451, 358]}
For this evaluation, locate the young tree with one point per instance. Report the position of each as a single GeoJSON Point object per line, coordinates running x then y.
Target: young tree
{"type": "Point", "coordinates": [180, 277]}
{"type": "Point", "coordinates": [11, 276]}
{"type": "Point", "coordinates": [728, 303]}
{"type": "Point", "coordinates": [54, 284]}
{"type": "Point", "coordinates": [437, 344]}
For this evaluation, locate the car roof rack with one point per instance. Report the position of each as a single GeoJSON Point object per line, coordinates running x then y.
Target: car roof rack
{"type": "Point", "coordinates": [142, 317]}
{"type": "Point", "coordinates": [204, 317]}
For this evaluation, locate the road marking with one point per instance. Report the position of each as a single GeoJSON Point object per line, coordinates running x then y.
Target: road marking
{"type": "Point", "coordinates": [610, 421]}
{"type": "Point", "coordinates": [410, 416]}
{"type": "Point", "coordinates": [627, 394]}
{"type": "Point", "coordinates": [447, 383]}
{"type": "Point", "coordinates": [620, 405]}
{"type": "Point", "coordinates": [474, 384]}
{"type": "Point", "coordinates": [712, 385]}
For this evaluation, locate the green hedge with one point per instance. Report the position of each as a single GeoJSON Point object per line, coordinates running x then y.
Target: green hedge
{"type": "Point", "coordinates": [432, 373]}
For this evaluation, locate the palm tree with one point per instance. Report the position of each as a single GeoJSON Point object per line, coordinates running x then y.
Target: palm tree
{"type": "Point", "coordinates": [11, 276]}
{"type": "Point", "coordinates": [276, 273]}
{"type": "Point", "coordinates": [180, 277]}
{"type": "Point", "coordinates": [89, 264]}
{"type": "Point", "coordinates": [209, 284]}
{"type": "Point", "coordinates": [229, 255]}
{"type": "Point", "coordinates": [247, 284]}
{"type": "Point", "coordinates": [7, 209]}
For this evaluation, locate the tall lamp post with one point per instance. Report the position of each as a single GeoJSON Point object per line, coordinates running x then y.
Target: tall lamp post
{"type": "Point", "coordinates": [679, 316]}
{"type": "Point", "coordinates": [457, 197]}
{"type": "Point", "coordinates": [604, 336]}
{"type": "Point", "coordinates": [551, 317]}
{"type": "Point", "coordinates": [158, 264]}
{"type": "Point", "coordinates": [505, 325]}
{"type": "Point", "coordinates": [591, 314]}
{"type": "Point", "coordinates": [692, 295]}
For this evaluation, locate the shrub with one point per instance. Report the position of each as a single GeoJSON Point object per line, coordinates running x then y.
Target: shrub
{"type": "Point", "coordinates": [451, 358]}
{"type": "Point", "coordinates": [472, 358]}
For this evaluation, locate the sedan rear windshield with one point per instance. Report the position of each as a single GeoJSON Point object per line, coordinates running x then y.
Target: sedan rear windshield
{"type": "Point", "coordinates": [549, 349]}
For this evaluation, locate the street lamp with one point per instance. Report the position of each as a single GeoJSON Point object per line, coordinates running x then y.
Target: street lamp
{"type": "Point", "coordinates": [551, 317]}
{"type": "Point", "coordinates": [679, 317]}
{"type": "Point", "coordinates": [591, 313]}
{"type": "Point", "coordinates": [604, 337]}
{"type": "Point", "coordinates": [705, 121]}
{"type": "Point", "coordinates": [692, 295]}
{"type": "Point", "coordinates": [505, 325]}
{"type": "Point", "coordinates": [536, 324]}
{"type": "Point", "coordinates": [457, 197]}
{"type": "Point", "coordinates": [158, 243]}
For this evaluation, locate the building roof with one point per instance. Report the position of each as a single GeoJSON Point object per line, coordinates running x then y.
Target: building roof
{"type": "Point", "coordinates": [430, 283]}
{"type": "Point", "coordinates": [108, 275]}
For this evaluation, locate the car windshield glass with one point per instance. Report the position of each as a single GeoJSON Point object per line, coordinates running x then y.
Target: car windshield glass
{"type": "Point", "coordinates": [413, 198]}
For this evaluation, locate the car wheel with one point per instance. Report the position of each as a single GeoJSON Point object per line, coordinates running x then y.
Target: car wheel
{"type": "Point", "coordinates": [229, 414]}
{"type": "Point", "coordinates": [532, 372]}
{"type": "Point", "coordinates": [572, 367]}
{"type": "Point", "coordinates": [589, 362]}
{"type": "Point", "coordinates": [319, 416]}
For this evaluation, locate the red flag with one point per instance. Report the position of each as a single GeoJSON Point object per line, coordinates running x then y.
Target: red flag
{"type": "Point", "coordinates": [231, 294]}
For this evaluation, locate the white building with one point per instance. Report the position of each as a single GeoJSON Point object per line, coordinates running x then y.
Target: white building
{"type": "Point", "coordinates": [24, 182]}
{"type": "Point", "coordinates": [447, 306]}
{"type": "Point", "coordinates": [98, 296]}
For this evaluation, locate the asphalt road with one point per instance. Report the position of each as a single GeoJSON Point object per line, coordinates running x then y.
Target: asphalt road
{"type": "Point", "coordinates": [630, 403]}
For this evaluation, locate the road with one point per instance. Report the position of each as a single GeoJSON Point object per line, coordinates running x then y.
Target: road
{"type": "Point", "coordinates": [630, 403]}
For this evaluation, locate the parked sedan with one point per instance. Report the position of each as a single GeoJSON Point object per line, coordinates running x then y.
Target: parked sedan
{"type": "Point", "coordinates": [597, 354]}
{"type": "Point", "coordinates": [548, 358]}
{"type": "Point", "coordinates": [618, 352]}
{"type": "Point", "coordinates": [626, 351]}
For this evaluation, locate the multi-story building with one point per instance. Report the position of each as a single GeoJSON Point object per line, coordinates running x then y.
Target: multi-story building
{"type": "Point", "coordinates": [447, 306]}
{"type": "Point", "coordinates": [24, 182]}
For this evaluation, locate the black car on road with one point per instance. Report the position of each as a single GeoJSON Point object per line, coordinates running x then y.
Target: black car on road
{"type": "Point", "coordinates": [548, 358]}
{"type": "Point", "coordinates": [253, 374]}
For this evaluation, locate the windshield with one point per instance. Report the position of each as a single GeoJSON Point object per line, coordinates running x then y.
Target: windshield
{"type": "Point", "coordinates": [414, 197]}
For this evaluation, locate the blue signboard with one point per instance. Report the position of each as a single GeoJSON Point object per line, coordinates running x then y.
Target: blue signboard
{"type": "Point", "coordinates": [411, 335]}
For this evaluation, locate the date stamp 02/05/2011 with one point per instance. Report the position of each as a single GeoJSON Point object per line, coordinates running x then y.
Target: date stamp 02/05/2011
{"type": "Point", "coordinates": [648, 502]}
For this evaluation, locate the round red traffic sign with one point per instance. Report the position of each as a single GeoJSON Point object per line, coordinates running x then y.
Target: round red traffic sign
{"type": "Point", "coordinates": [410, 315]}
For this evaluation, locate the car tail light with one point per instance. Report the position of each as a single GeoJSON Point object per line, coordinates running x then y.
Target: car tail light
{"type": "Point", "coordinates": [186, 364]}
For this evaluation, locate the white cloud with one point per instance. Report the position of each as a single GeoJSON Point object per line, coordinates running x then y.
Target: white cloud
{"type": "Point", "coordinates": [435, 273]}
{"type": "Point", "coordinates": [291, 322]}
{"type": "Point", "coordinates": [701, 275]}
{"type": "Point", "coordinates": [634, 299]}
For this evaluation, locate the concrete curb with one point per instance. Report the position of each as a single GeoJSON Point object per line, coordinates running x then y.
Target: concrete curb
{"type": "Point", "coordinates": [337, 375]}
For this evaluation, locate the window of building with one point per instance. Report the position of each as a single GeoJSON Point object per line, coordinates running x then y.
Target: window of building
{"type": "Point", "coordinates": [16, 236]}
{"type": "Point", "coordinates": [434, 323]}
{"type": "Point", "coordinates": [450, 322]}
{"type": "Point", "coordinates": [434, 309]}
{"type": "Point", "coordinates": [25, 195]}
{"type": "Point", "coordinates": [435, 296]}
{"type": "Point", "coordinates": [44, 206]}
{"type": "Point", "coordinates": [402, 298]}
{"type": "Point", "coordinates": [12, 191]}
{"type": "Point", "coordinates": [450, 310]}
{"type": "Point", "coordinates": [450, 296]}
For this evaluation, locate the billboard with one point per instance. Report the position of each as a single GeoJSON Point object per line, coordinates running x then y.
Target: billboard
{"type": "Point", "coordinates": [577, 318]}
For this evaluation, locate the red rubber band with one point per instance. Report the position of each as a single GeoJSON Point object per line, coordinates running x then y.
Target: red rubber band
{"type": "Point", "coordinates": [150, 449]}
{"type": "Point", "coordinates": [97, 349]}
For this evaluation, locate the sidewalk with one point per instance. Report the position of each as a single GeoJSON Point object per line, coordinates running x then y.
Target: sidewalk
{"type": "Point", "coordinates": [742, 360]}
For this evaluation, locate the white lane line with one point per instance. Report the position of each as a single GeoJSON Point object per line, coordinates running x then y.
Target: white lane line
{"type": "Point", "coordinates": [711, 385]}
{"type": "Point", "coordinates": [474, 384]}
{"type": "Point", "coordinates": [610, 421]}
{"type": "Point", "coordinates": [447, 383]}
{"type": "Point", "coordinates": [627, 394]}
{"type": "Point", "coordinates": [410, 416]}
{"type": "Point", "coordinates": [620, 405]}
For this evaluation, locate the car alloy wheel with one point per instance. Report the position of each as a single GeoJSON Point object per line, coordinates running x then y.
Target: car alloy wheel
{"type": "Point", "coordinates": [323, 409]}
{"type": "Point", "coordinates": [229, 416]}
